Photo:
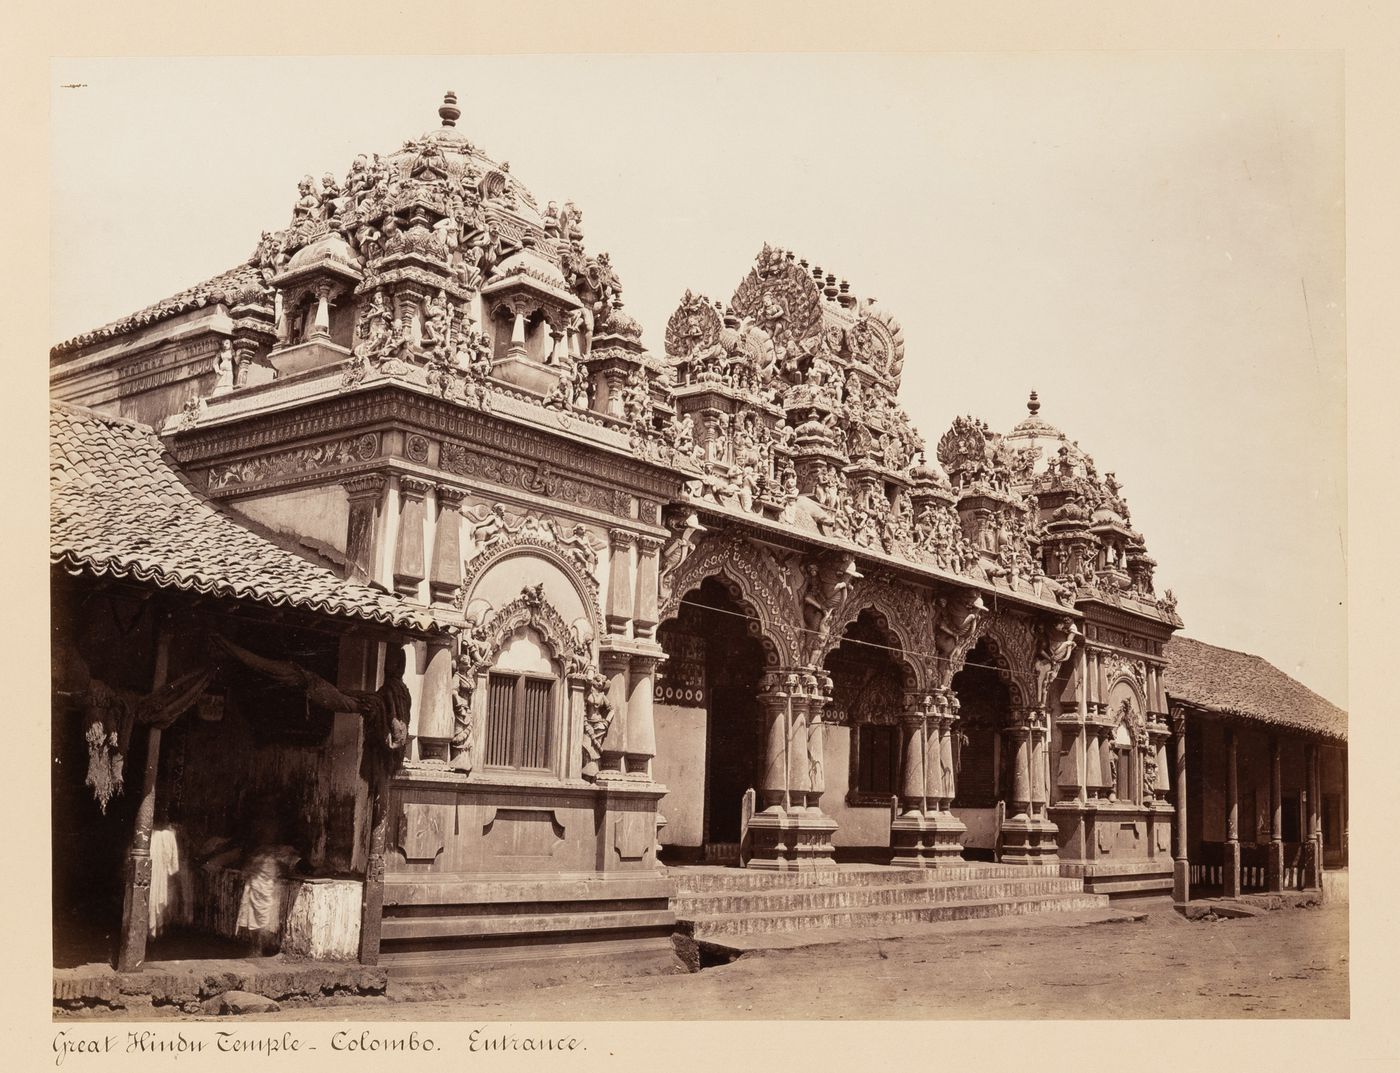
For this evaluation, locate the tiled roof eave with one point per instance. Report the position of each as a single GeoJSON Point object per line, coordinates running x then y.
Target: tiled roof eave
{"type": "Point", "coordinates": [78, 565]}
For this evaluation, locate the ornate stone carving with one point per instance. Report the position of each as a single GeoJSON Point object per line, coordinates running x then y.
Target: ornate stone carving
{"type": "Point", "coordinates": [959, 621]}
{"type": "Point", "coordinates": [597, 718]}
{"type": "Point", "coordinates": [496, 534]}
{"type": "Point", "coordinates": [539, 478]}
{"type": "Point", "coordinates": [1056, 645]}
{"type": "Point", "coordinates": [284, 465]}
{"type": "Point", "coordinates": [755, 577]}
{"type": "Point", "coordinates": [780, 298]}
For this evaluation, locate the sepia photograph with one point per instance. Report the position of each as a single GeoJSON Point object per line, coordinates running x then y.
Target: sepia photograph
{"type": "Point", "coordinates": [697, 537]}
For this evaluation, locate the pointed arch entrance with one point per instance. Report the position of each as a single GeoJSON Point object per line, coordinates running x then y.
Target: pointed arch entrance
{"type": "Point", "coordinates": [712, 679]}
{"type": "Point", "coordinates": [981, 758]}
{"type": "Point", "coordinates": [869, 687]}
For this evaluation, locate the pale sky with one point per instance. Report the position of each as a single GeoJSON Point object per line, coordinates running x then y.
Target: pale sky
{"type": "Point", "coordinates": [1152, 241]}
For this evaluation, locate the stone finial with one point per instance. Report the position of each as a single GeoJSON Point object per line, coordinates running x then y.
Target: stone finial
{"type": "Point", "coordinates": [1033, 404]}
{"type": "Point", "coordinates": [449, 111]}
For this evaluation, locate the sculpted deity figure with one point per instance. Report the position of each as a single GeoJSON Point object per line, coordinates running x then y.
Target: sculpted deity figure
{"type": "Point", "coordinates": [376, 329]}
{"type": "Point", "coordinates": [580, 548]}
{"type": "Point", "coordinates": [307, 204]}
{"type": "Point", "coordinates": [223, 368]}
{"type": "Point", "coordinates": [827, 580]}
{"type": "Point", "coordinates": [680, 433]}
{"type": "Point", "coordinates": [820, 371]}
{"type": "Point", "coordinates": [474, 650]}
{"type": "Point", "coordinates": [491, 530]}
{"type": "Point", "coordinates": [597, 717]}
{"type": "Point", "coordinates": [685, 532]}
{"type": "Point", "coordinates": [957, 622]}
{"type": "Point", "coordinates": [1149, 778]}
{"type": "Point", "coordinates": [1056, 646]}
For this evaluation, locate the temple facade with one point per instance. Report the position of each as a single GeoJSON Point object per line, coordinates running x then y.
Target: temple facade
{"type": "Point", "coordinates": [714, 602]}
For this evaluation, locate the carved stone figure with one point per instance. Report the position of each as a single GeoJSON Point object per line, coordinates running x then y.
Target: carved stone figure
{"type": "Point", "coordinates": [826, 581]}
{"type": "Point", "coordinates": [491, 530]}
{"type": "Point", "coordinates": [597, 717]}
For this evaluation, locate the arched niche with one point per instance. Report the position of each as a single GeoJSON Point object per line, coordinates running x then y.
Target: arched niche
{"type": "Point", "coordinates": [1125, 709]}
{"type": "Point", "coordinates": [497, 578]}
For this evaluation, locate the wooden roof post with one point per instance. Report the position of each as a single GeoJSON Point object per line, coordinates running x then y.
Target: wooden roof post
{"type": "Point", "coordinates": [136, 903]}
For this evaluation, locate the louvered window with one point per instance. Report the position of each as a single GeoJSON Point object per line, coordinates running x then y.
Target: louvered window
{"type": "Point", "coordinates": [519, 721]}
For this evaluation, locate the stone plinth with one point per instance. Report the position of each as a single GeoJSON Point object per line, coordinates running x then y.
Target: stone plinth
{"type": "Point", "coordinates": [527, 373]}
{"type": "Point", "coordinates": [316, 353]}
{"type": "Point", "coordinates": [1026, 840]}
{"type": "Point", "coordinates": [795, 840]}
{"type": "Point", "coordinates": [927, 840]}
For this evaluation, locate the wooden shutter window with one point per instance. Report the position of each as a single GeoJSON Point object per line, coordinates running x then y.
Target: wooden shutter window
{"type": "Point", "coordinates": [535, 723]}
{"type": "Point", "coordinates": [519, 721]}
{"type": "Point", "coordinates": [500, 719]}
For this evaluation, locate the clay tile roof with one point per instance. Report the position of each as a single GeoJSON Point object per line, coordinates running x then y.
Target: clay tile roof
{"type": "Point", "coordinates": [225, 287]}
{"type": "Point", "coordinates": [118, 507]}
{"type": "Point", "coordinates": [1235, 683]}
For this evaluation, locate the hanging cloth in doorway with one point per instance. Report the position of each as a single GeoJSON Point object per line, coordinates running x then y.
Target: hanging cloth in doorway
{"type": "Point", "coordinates": [109, 720]}
{"type": "Point", "coordinates": [111, 714]}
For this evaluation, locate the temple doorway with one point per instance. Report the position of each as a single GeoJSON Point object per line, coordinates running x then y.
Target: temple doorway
{"type": "Point", "coordinates": [867, 687]}
{"type": "Point", "coordinates": [984, 702]}
{"type": "Point", "coordinates": [714, 651]}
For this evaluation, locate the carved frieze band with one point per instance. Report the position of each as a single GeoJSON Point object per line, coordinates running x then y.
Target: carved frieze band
{"type": "Point", "coordinates": [283, 466]}
{"type": "Point", "coordinates": [536, 478]}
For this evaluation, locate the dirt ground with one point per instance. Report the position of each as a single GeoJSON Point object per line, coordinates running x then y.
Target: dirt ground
{"type": "Point", "coordinates": [1288, 963]}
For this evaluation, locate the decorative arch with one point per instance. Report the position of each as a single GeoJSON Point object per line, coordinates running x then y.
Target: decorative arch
{"type": "Point", "coordinates": [1014, 639]}
{"type": "Point", "coordinates": [584, 583]}
{"type": "Point", "coordinates": [754, 578]}
{"type": "Point", "coordinates": [901, 614]}
{"type": "Point", "coordinates": [530, 609]}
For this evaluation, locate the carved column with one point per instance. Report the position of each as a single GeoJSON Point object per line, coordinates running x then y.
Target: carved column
{"type": "Point", "coordinates": [1232, 815]}
{"type": "Point", "coordinates": [914, 788]}
{"type": "Point", "coordinates": [366, 493]}
{"type": "Point", "coordinates": [614, 381]}
{"type": "Point", "coordinates": [136, 899]}
{"type": "Point", "coordinates": [1018, 733]}
{"type": "Point", "coordinates": [616, 665]}
{"type": "Point", "coordinates": [1106, 765]}
{"type": "Point", "coordinates": [918, 785]}
{"type": "Point", "coordinates": [620, 595]}
{"type": "Point", "coordinates": [445, 575]}
{"type": "Point", "coordinates": [435, 718]}
{"type": "Point", "coordinates": [818, 695]}
{"type": "Point", "coordinates": [1181, 865]}
{"type": "Point", "coordinates": [939, 767]}
{"type": "Point", "coordinates": [517, 334]}
{"type": "Point", "coordinates": [641, 721]}
{"type": "Point", "coordinates": [321, 325]}
{"type": "Point", "coordinates": [1275, 815]}
{"type": "Point", "coordinates": [790, 833]}
{"type": "Point", "coordinates": [408, 547]}
{"type": "Point", "coordinates": [775, 702]}
{"type": "Point", "coordinates": [799, 768]}
{"type": "Point", "coordinates": [1026, 838]}
{"type": "Point", "coordinates": [645, 619]}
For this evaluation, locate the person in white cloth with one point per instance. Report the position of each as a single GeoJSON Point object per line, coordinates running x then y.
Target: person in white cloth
{"type": "Point", "coordinates": [266, 869]}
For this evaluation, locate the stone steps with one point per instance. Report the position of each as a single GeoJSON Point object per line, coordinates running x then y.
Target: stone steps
{"type": "Point", "coordinates": [929, 911]}
{"type": "Point", "coordinates": [688, 905]}
{"type": "Point", "coordinates": [705, 880]}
